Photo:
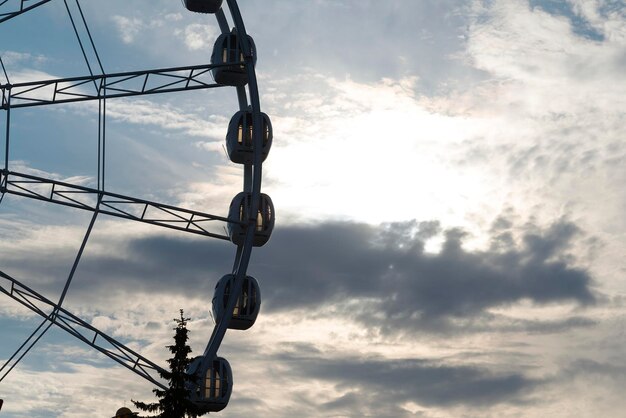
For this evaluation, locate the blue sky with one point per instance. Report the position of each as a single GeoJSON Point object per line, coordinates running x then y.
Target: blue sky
{"type": "Point", "coordinates": [448, 179]}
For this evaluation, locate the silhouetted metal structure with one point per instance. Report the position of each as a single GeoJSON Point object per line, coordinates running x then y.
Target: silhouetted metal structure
{"type": "Point", "coordinates": [81, 197]}
{"type": "Point", "coordinates": [250, 218]}
{"type": "Point", "coordinates": [9, 9]}
{"type": "Point", "coordinates": [107, 86]}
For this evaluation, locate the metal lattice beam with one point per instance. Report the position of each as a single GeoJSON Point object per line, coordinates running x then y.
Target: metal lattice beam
{"type": "Point", "coordinates": [8, 9]}
{"type": "Point", "coordinates": [133, 83]}
{"type": "Point", "coordinates": [112, 204]}
{"type": "Point", "coordinates": [80, 329]}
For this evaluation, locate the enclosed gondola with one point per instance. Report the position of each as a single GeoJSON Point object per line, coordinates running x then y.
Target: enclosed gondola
{"type": "Point", "coordinates": [203, 6]}
{"type": "Point", "coordinates": [240, 211]}
{"type": "Point", "coordinates": [214, 383]}
{"type": "Point", "coordinates": [240, 137]}
{"type": "Point", "coordinates": [247, 306]}
{"type": "Point", "coordinates": [228, 58]}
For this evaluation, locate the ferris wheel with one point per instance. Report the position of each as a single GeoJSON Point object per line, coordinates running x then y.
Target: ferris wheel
{"type": "Point", "coordinates": [249, 221]}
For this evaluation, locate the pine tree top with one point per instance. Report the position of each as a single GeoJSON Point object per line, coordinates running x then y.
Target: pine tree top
{"type": "Point", "coordinates": [174, 401]}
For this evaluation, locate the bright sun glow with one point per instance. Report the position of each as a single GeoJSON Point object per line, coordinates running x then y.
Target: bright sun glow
{"type": "Point", "coordinates": [390, 161]}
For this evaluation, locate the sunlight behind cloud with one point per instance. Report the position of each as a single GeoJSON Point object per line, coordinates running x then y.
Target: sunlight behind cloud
{"type": "Point", "coordinates": [373, 153]}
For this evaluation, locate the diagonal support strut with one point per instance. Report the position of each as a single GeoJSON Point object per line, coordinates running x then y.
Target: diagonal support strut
{"type": "Point", "coordinates": [112, 204]}
{"type": "Point", "coordinates": [80, 329]}
{"type": "Point", "coordinates": [25, 6]}
{"type": "Point", "coordinates": [14, 360]}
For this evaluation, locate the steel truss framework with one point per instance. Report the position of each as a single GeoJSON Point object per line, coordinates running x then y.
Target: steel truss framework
{"type": "Point", "coordinates": [99, 201]}
{"type": "Point", "coordinates": [106, 86]}
{"type": "Point", "coordinates": [11, 8]}
{"type": "Point", "coordinates": [112, 204]}
{"type": "Point", "coordinates": [53, 313]}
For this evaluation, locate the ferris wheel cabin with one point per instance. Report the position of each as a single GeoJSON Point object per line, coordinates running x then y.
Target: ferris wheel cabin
{"type": "Point", "coordinates": [229, 58]}
{"type": "Point", "coordinates": [203, 6]}
{"type": "Point", "coordinates": [248, 304]}
{"type": "Point", "coordinates": [215, 384]}
{"type": "Point", "coordinates": [240, 138]}
{"type": "Point", "coordinates": [240, 210]}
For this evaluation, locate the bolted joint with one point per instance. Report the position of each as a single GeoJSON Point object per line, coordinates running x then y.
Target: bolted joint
{"type": "Point", "coordinates": [6, 96]}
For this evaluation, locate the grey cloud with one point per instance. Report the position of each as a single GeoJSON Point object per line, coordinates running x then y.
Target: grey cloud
{"type": "Point", "coordinates": [389, 382]}
{"type": "Point", "coordinates": [544, 327]}
{"type": "Point", "coordinates": [615, 370]}
{"type": "Point", "coordinates": [309, 266]}
{"type": "Point", "coordinates": [330, 264]}
{"type": "Point", "coordinates": [349, 401]}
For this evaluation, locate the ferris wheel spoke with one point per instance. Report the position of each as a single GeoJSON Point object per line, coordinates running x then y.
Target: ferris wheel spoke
{"type": "Point", "coordinates": [7, 13]}
{"type": "Point", "coordinates": [250, 217]}
{"type": "Point", "coordinates": [80, 42]}
{"type": "Point", "coordinates": [126, 207]}
{"type": "Point", "coordinates": [26, 346]}
{"type": "Point", "coordinates": [80, 329]}
{"type": "Point", "coordinates": [103, 86]}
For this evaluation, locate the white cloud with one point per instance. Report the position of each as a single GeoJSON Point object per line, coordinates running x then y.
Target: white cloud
{"type": "Point", "coordinates": [128, 27]}
{"type": "Point", "coordinates": [556, 108]}
{"type": "Point", "coordinates": [545, 66]}
{"type": "Point", "coordinates": [198, 36]}
{"type": "Point", "coordinates": [157, 32]}
{"type": "Point", "coordinates": [13, 58]}
{"type": "Point", "coordinates": [167, 116]}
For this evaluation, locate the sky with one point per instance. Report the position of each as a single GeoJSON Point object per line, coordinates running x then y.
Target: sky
{"type": "Point", "coordinates": [448, 180]}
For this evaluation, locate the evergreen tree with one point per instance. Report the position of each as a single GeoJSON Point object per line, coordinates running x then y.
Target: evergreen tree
{"type": "Point", "coordinates": [174, 401]}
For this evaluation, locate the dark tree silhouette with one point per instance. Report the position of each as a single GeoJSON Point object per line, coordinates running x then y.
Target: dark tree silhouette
{"type": "Point", "coordinates": [174, 401]}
